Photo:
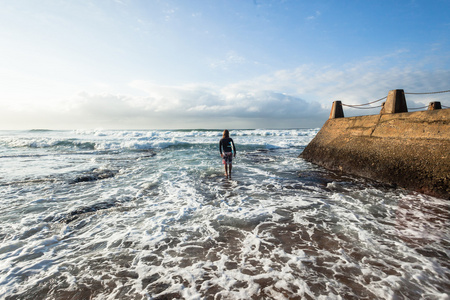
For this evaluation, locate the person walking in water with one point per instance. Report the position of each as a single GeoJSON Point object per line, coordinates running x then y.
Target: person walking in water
{"type": "Point", "coordinates": [227, 151]}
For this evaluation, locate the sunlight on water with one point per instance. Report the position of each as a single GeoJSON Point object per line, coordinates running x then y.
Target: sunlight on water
{"type": "Point", "coordinates": [149, 215]}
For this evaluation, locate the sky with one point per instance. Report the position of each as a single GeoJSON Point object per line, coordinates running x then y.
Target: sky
{"type": "Point", "coordinates": [184, 64]}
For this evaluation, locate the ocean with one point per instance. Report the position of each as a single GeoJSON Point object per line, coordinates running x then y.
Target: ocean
{"type": "Point", "coordinates": [150, 215]}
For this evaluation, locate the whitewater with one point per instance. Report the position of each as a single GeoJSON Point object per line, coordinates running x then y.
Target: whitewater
{"type": "Point", "coordinates": [149, 214]}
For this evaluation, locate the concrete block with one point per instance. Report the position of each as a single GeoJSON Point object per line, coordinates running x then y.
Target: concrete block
{"type": "Point", "coordinates": [395, 103]}
{"type": "Point", "coordinates": [336, 110]}
{"type": "Point", "coordinates": [434, 105]}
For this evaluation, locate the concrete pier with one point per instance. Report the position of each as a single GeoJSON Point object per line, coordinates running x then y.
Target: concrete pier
{"type": "Point", "coordinates": [411, 150]}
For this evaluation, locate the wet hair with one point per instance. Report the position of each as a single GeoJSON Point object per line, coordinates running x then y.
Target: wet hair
{"type": "Point", "coordinates": [226, 134]}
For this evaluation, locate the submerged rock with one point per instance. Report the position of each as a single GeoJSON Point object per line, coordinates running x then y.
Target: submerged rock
{"type": "Point", "coordinates": [95, 175]}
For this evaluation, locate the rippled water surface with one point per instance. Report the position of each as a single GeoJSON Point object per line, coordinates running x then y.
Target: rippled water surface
{"type": "Point", "coordinates": [149, 215]}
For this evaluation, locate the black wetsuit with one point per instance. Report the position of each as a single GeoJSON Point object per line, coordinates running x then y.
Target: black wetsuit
{"type": "Point", "coordinates": [226, 145]}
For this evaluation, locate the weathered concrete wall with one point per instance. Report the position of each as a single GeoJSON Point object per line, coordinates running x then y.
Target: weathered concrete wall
{"type": "Point", "coordinates": [411, 150]}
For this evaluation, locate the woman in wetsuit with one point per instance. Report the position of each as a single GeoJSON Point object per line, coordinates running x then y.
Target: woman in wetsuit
{"type": "Point", "coordinates": [227, 151]}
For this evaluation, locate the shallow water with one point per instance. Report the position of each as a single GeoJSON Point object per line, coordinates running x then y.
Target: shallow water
{"type": "Point", "coordinates": [149, 215]}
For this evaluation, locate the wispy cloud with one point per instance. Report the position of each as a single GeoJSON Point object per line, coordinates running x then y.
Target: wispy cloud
{"type": "Point", "coordinates": [232, 58]}
{"type": "Point", "coordinates": [315, 16]}
{"type": "Point", "coordinates": [354, 83]}
{"type": "Point", "coordinates": [236, 100]}
{"type": "Point", "coordinates": [298, 97]}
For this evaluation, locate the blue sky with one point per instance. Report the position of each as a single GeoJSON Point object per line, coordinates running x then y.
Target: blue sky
{"type": "Point", "coordinates": [213, 63]}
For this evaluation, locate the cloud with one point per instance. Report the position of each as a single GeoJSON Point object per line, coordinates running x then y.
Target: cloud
{"type": "Point", "coordinates": [192, 105]}
{"type": "Point", "coordinates": [356, 83]}
{"type": "Point", "coordinates": [313, 17]}
{"type": "Point", "coordinates": [193, 102]}
{"type": "Point", "coordinates": [303, 94]}
{"type": "Point", "coordinates": [298, 97]}
{"type": "Point", "coordinates": [232, 58]}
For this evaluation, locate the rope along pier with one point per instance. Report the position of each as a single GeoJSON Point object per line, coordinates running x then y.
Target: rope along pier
{"type": "Point", "coordinates": [395, 103]}
{"type": "Point", "coordinates": [430, 93]}
{"type": "Point", "coordinates": [359, 106]}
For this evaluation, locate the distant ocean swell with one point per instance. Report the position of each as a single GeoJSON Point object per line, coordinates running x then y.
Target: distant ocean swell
{"type": "Point", "coordinates": [149, 215]}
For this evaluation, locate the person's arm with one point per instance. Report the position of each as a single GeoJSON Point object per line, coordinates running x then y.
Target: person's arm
{"type": "Point", "coordinates": [220, 147]}
{"type": "Point", "coordinates": [234, 147]}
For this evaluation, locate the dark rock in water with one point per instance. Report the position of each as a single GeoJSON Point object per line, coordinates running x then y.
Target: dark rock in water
{"type": "Point", "coordinates": [75, 214]}
{"type": "Point", "coordinates": [149, 153]}
{"type": "Point", "coordinates": [95, 175]}
{"type": "Point", "coordinates": [411, 150]}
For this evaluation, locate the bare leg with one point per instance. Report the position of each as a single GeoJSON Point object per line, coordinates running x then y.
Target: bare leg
{"type": "Point", "coordinates": [229, 169]}
{"type": "Point", "coordinates": [226, 170]}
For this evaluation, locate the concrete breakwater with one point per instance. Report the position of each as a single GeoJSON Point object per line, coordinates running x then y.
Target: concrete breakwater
{"type": "Point", "coordinates": [411, 150]}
